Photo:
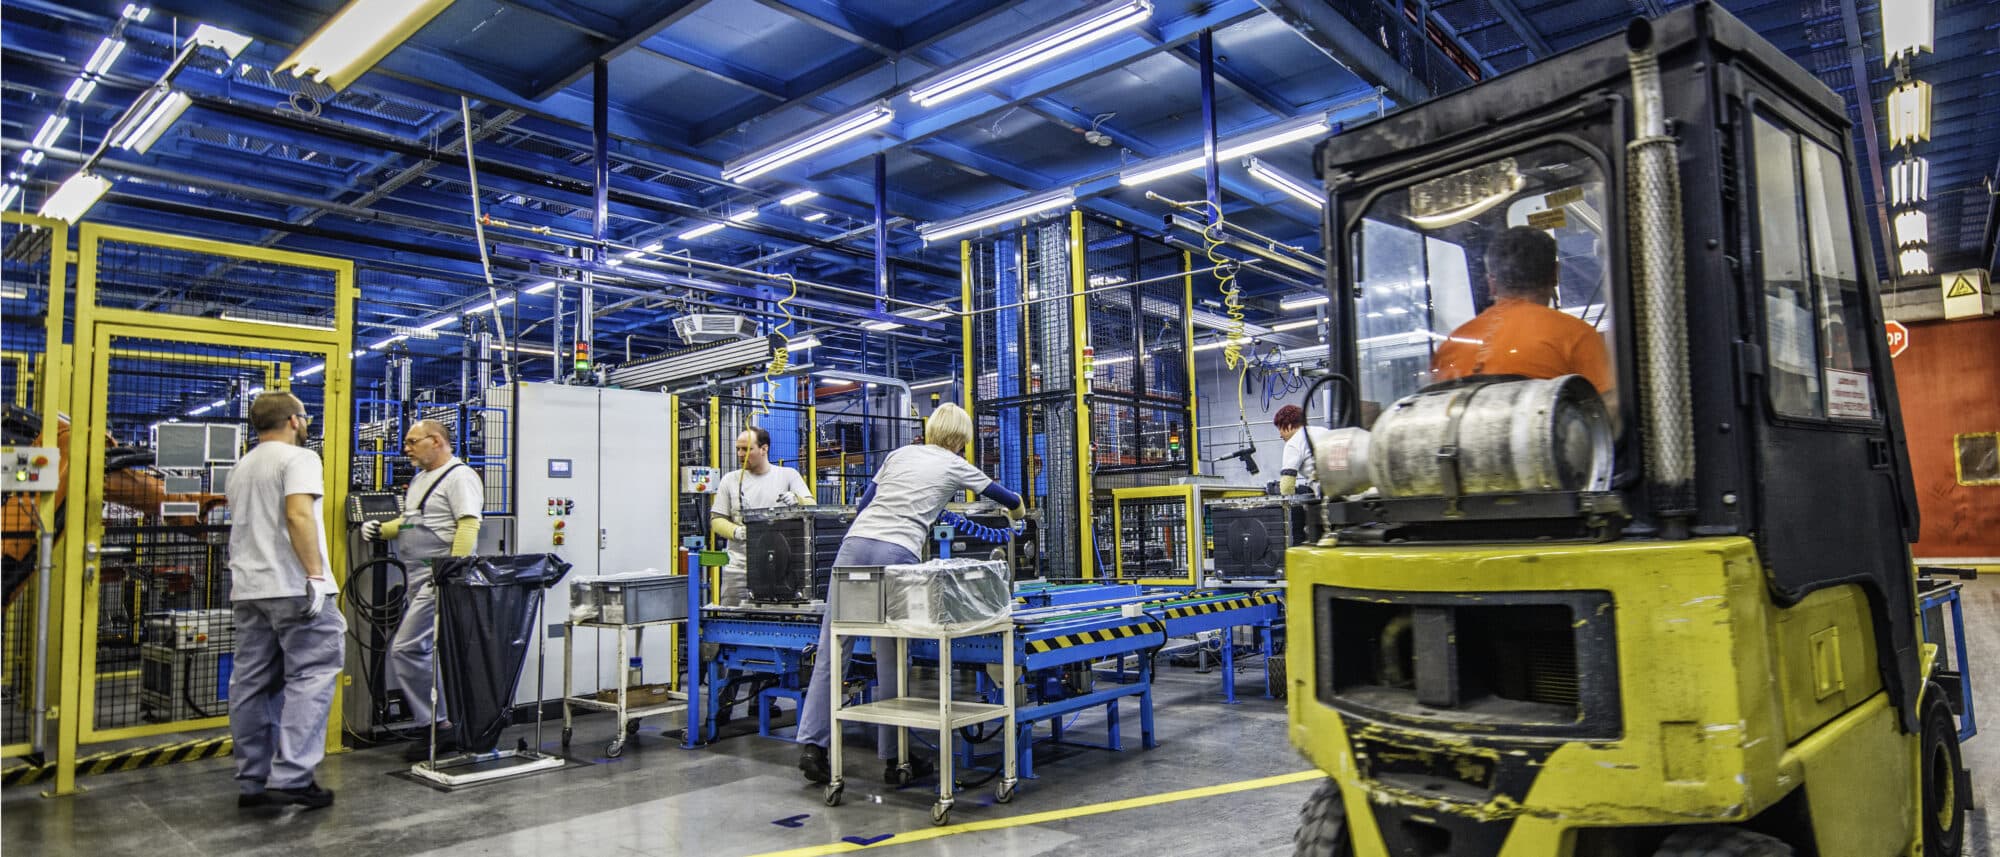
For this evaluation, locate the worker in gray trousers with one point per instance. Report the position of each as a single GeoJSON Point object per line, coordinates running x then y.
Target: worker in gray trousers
{"type": "Point", "coordinates": [289, 632]}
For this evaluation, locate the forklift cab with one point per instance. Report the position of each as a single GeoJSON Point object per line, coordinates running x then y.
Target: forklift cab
{"type": "Point", "coordinates": [1622, 534]}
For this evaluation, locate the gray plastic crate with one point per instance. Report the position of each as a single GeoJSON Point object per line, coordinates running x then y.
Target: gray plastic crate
{"type": "Point", "coordinates": [858, 595]}
{"type": "Point", "coordinates": [634, 601]}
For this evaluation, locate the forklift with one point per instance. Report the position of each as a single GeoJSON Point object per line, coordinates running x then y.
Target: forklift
{"type": "Point", "coordinates": [1667, 611]}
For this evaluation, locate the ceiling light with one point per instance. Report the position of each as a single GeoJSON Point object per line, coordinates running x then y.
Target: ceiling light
{"type": "Point", "coordinates": [1910, 181]}
{"type": "Point", "coordinates": [360, 35]}
{"type": "Point", "coordinates": [136, 12]}
{"type": "Point", "coordinates": [816, 217]}
{"type": "Point", "coordinates": [745, 214]}
{"type": "Point", "coordinates": [80, 89]}
{"type": "Point", "coordinates": [1292, 130]}
{"type": "Point", "coordinates": [1015, 210]}
{"type": "Point", "coordinates": [489, 305]}
{"type": "Point", "coordinates": [1906, 29]}
{"type": "Point", "coordinates": [699, 231]}
{"type": "Point", "coordinates": [52, 128]}
{"type": "Point", "coordinates": [13, 294]}
{"type": "Point", "coordinates": [300, 321]}
{"type": "Point", "coordinates": [32, 158]}
{"type": "Point", "coordinates": [545, 286]}
{"type": "Point", "coordinates": [1909, 112]}
{"type": "Point", "coordinates": [941, 382]}
{"type": "Point", "coordinates": [1297, 189]}
{"type": "Point", "coordinates": [1915, 261]}
{"type": "Point", "coordinates": [815, 140]}
{"type": "Point", "coordinates": [1301, 302]}
{"type": "Point", "coordinates": [1113, 361]}
{"type": "Point", "coordinates": [1295, 325]}
{"type": "Point", "coordinates": [802, 343]}
{"type": "Point", "coordinates": [230, 43]}
{"type": "Point", "coordinates": [150, 118]}
{"type": "Point", "coordinates": [106, 54]}
{"type": "Point", "coordinates": [798, 197]}
{"type": "Point", "coordinates": [76, 196]}
{"type": "Point", "coordinates": [1912, 227]}
{"type": "Point", "coordinates": [387, 342]}
{"type": "Point", "coordinates": [447, 321]}
{"type": "Point", "coordinates": [526, 349]}
{"type": "Point", "coordinates": [7, 194]}
{"type": "Point", "coordinates": [310, 371]}
{"type": "Point", "coordinates": [883, 325]}
{"type": "Point", "coordinates": [1033, 50]}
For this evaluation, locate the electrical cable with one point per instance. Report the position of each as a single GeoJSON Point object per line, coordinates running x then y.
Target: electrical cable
{"type": "Point", "coordinates": [479, 233]}
{"type": "Point", "coordinates": [782, 359]}
{"type": "Point", "coordinates": [1232, 299]}
{"type": "Point", "coordinates": [385, 619]}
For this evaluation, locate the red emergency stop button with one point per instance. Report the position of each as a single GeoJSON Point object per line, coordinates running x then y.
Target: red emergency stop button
{"type": "Point", "coordinates": [41, 461]}
{"type": "Point", "coordinates": [559, 525]}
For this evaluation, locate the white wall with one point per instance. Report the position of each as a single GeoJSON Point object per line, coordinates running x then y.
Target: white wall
{"type": "Point", "coordinates": [1222, 429]}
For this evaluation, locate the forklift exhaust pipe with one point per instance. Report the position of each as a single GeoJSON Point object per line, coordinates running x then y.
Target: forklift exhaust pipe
{"type": "Point", "coordinates": [1653, 198]}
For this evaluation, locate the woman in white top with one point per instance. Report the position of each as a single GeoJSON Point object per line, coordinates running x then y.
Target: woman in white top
{"type": "Point", "coordinates": [908, 492]}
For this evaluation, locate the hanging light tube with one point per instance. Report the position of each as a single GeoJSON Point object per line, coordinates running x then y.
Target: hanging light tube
{"type": "Point", "coordinates": [798, 197]}
{"type": "Point", "coordinates": [107, 53]}
{"type": "Point", "coordinates": [52, 128]}
{"type": "Point", "coordinates": [1036, 49]}
{"type": "Point", "coordinates": [1906, 29]}
{"type": "Point", "coordinates": [1302, 301]}
{"type": "Point", "coordinates": [932, 232]}
{"type": "Point", "coordinates": [1910, 181]}
{"type": "Point", "coordinates": [815, 217]}
{"type": "Point", "coordinates": [358, 37]}
{"type": "Point", "coordinates": [1909, 112]}
{"type": "Point", "coordinates": [81, 191]}
{"type": "Point", "coordinates": [1292, 130]}
{"type": "Point", "coordinates": [1912, 227]}
{"type": "Point", "coordinates": [813, 141]}
{"type": "Point", "coordinates": [1915, 261]}
{"type": "Point", "coordinates": [699, 231]}
{"type": "Point", "coordinates": [156, 111]}
{"type": "Point", "coordinates": [1296, 189]}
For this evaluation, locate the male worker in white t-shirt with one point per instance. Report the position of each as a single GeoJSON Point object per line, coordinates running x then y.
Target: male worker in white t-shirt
{"type": "Point", "coordinates": [759, 484]}
{"type": "Point", "coordinates": [441, 512]}
{"type": "Point", "coordinates": [290, 643]}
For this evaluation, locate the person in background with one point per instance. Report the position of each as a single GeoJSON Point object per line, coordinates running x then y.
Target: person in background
{"type": "Point", "coordinates": [1521, 333]}
{"type": "Point", "coordinates": [441, 513]}
{"type": "Point", "coordinates": [290, 637]}
{"type": "Point", "coordinates": [912, 487]}
{"type": "Point", "coordinates": [1297, 469]}
{"type": "Point", "coordinates": [758, 484]}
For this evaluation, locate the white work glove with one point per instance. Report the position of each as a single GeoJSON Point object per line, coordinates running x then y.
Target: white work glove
{"type": "Point", "coordinates": [321, 591]}
{"type": "Point", "coordinates": [788, 499]}
{"type": "Point", "coordinates": [372, 531]}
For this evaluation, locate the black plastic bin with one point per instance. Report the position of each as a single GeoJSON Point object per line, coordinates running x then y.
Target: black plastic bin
{"type": "Point", "coordinates": [487, 612]}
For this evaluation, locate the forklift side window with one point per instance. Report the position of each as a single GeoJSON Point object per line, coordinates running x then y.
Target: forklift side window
{"type": "Point", "coordinates": [1812, 284]}
{"type": "Point", "coordinates": [1433, 305]}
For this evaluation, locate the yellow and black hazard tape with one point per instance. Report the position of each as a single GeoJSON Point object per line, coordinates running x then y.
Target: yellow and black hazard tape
{"type": "Point", "coordinates": [124, 760]}
{"type": "Point", "coordinates": [1084, 638]}
{"type": "Point", "coordinates": [1208, 607]}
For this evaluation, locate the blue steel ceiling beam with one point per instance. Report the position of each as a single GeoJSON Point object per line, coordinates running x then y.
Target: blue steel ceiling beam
{"type": "Point", "coordinates": [724, 70]}
{"type": "Point", "coordinates": [624, 37]}
{"type": "Point", "coordinates": [1337, 37]}
{"type": "Point", "coordinates": [1531, 37]}
{"type": "Point", "coordinates": [842, 22]}
{"type": "Point", "coordinates": [1269, 101]}
{"type": "Point", "coordinates": [1458, 40]}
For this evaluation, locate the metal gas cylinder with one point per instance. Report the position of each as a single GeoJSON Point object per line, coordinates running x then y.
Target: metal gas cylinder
{"type": "Point", "coordinates": [1494, 437]}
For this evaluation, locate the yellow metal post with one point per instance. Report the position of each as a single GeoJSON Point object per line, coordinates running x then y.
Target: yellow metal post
{"type": "Point", "coordinates": [1187, 347]}
{"type": "Point", "coordinates": [1079, 337]}
{"type": "Point", "coordinates": [714, 575]}
{"type": "Point", "coordinates": [674, 653]}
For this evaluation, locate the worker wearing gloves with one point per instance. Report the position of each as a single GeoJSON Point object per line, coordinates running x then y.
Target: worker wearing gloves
{"type": "Point", "coordinates": [759, 484]}
{"type": "Point", "coordinates": [440, 519]}
{"type": "Point", "coordinates": [912, 487]}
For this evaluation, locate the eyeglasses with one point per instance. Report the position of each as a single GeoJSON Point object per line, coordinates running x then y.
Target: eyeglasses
{"type": "Point", "coordinates": [307, 417]}
{"type": "Point", "coordinates": [410, 442]}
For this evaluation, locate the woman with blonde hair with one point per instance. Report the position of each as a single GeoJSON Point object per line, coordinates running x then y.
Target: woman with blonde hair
{"type": "Point", "coordinates": [908, 492]}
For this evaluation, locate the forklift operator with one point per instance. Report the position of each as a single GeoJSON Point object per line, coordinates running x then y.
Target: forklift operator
{"type": "Point", "coordinates": [758, 484]}
{"type": "Point", "coordinates": [1521, 333]}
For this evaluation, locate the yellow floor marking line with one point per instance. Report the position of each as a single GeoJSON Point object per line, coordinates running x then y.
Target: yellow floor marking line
{"type": "Point", "coordinates": [930, 833]}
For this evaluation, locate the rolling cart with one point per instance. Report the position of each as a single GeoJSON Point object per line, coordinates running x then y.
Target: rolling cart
{"type": "Point", "coordinates": [625, 606]}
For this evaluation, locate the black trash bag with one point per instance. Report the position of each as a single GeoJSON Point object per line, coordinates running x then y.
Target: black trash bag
{"type": "Point", "coordinates": [487, 609]}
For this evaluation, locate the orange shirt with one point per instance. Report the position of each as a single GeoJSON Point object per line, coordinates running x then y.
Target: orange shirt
{"type": "Point", "coordinates": [1521, 337]}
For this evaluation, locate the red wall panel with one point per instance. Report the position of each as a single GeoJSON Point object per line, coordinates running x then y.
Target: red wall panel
{"type": "Point", "coordinates": [1949, 384]}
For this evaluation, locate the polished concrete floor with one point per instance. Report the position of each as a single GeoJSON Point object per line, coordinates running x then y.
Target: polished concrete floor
{"type": "Point", "coordinates": [743, 796]}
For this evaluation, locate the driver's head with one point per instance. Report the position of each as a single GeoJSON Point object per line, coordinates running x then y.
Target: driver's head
{"type": "Point", "coordinates": [1521, 263]}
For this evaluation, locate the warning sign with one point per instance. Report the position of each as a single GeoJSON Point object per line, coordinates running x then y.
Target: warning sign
{"type": "Point", "coordinates": [1847, 395]}
{"type": "Point", "coordinates": [1550, 219]}
{"type": "Point", "coordinates": [1899, 338]}
{"type": "Point", "coordinates": [1964, 293]}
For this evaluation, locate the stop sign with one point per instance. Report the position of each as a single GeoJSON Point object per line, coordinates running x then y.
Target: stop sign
{"type": "Point", "coordinates": [1899, 338]}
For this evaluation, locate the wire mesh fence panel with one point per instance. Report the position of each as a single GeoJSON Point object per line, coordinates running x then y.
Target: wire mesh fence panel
{"type": "Point", "coordinates": [156, 278]}
{"type": "Point", "coordinates": [1142, 403]}
{"type": "Point", "coordinates": [852, 445]}
{"type": "Point", "coordinates": [694, 451]}
{"type": "Point", "coordinates": [1152, 537]}
{"type": "Point", "coordinates": [176, 424]}
{"type": "Point", "coordinates": [24, 305]}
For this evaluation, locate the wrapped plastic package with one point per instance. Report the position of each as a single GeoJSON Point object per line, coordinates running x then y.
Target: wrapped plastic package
{"type": "Point", "coordinates": [943, 597]}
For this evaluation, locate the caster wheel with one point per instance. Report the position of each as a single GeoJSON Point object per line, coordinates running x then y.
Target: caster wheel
{"type": "Point", "coordinates": [832, 795]}
{"type": "Point", "coordinates": [901, 776]}
{"type": "Point", "coordinates": [940, 814]}
{"type": "Point", "coordinates": [1005, 793]}
{"type": "Point", "coordinates": [567, 733]}
{"type": "Point", "coordinates": [614, 749]}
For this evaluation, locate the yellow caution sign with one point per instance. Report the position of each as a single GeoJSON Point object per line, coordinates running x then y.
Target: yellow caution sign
{"type": "Point", "coordinates": [1964, 293]}
{"type": "Point", "coordinates": [1961, 286]}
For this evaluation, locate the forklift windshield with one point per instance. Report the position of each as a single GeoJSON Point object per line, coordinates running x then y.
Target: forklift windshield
{"type": "Point", "coordinates": [1497, 269]}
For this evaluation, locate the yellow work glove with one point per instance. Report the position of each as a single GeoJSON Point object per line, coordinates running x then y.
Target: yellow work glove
{"type": "Point", "coordinates": [466, 539]}
{"type": "Point", "coordinates": [1288, 485]}
{"type": "Point", "coordinates": [1016, 513]}
{"type": "Point", "coordinates": [725, 528]}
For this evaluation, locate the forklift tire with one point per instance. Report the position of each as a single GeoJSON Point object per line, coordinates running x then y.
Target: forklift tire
{"type": "Point", "coordinates": [1945, 786]}
{"type": "Point", "coordinates": [1722, 842]}
{"type": "Point", "coordinates": [1323, 825]}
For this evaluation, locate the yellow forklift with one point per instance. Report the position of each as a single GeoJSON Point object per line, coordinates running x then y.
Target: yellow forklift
{"type": "Point", "coordinates": [1622, 568]}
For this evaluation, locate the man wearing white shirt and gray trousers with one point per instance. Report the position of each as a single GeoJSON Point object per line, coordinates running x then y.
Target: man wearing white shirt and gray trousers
{"type": "Point", "coordinates": [759, 484]}
{"type": "Point", "coordinates": [289, 646]}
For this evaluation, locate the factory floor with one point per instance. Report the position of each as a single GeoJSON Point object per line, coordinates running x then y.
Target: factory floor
{"type": "Point", "coordinates": [1224, 780]}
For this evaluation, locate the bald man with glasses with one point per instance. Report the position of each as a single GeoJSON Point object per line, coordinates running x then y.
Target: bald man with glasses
{"type": "Point", "coordinates": [441, 512]}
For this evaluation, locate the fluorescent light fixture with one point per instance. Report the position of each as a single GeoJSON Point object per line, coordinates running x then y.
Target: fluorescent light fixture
{"type": "Point", "coordinates": [80, 89]}
{"type": "Point", "coordinates": [1003, 213]}
{"type": "Point", "coordinates": [1909, 112]}
{"type": "Point", "coordinates": [802, 344]}
{"type": "Point", "coordinates": [526, 349]}
{"type": "Point", "coordinates": [289, 321]}
{"type": "Point", "coordinates": [106, 54]}
{"type": "Point", "coordinates": [150, 118]}
{"type": "Point", "coordinates": [7, 195]}
{"type": "Point", "coordinates": [219, 403]}
{"type": "Point", "coordinates": [1915, 261]}
{"type": "Point", "coordinates": [358, 352]}
{"type": "Point", "coordinates": [809, 143]}
{"type": "Point", "coordinates": [1297, 189]}
{"type": "Point", "coordinates": [52, 128]}
{"type": "Point", "coordinates": [1295, 325]}
{"type": "Point", "coordinates": [1912, 227]}
{"type": "Point", "coordinates": [136, 12]}
{"type": "Point", "coordinates": [201, 410]}
{"type": "Point", "coordinates": [489, 305]}
{"type": "Point", "coordinates": [13, 294]}
{"type": "Point", "coordinates": [32, 158]}
{"type": "Point", "coordinates": [1910, 181]}
{"type": "Point", "coordinates": [1906, 29]}
{"type": "Point", "coordinates": [310, 371]}
{"type": "Point", "coordinates": [230, 43]}
{"type": "Point", "coordinates": [1302, 301]}
{"type": "Point", "coordinates": [1113, 361]}
{"type": "Point", "coordinates": [926, 385]}
{"type": "Point", "coordinates": [883, 325]}
{"type": "Point", "coordinates": [1288, 131]}
{"type": "Point", "coordinates": [76, 196]}
{"type": "Point", "coordinates": [745, 214]}
{"type": "Point", "coordinates": [387, 342]}
{"type": "Point", "coordinates": [1038, 48]}
{"type": "Point", "coordinates": [816, 217]}
{"type": "Point", "coordinates": [798, 197]}
{"type": "Point", "coordinates": [359, 36]}
{"type": "Point", "coordinates": [545, 286]}
{"type": "Point", "coordinates": [699, 231]}
{"type": "Point", "coordinates": [447, 321]}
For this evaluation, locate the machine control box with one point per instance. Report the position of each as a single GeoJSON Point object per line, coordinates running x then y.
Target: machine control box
{"type": "Point", "coordinates": [365, 506]}
{"type": "Point", "coordinates": [560, 508]}
{"type": "Point", "coordinates": [700, 480]}
{"type": "Point", "coordinates": [32, 468]}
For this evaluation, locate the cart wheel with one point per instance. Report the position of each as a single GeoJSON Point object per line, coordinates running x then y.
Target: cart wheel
{"type": "Point", "coordinates": [832, 794]}
{"type": "Point", "coordinates": [1005, 793]}
{"type": "Point", "coordinates": [901, 776]}
{"type": "Point", "coordinates": [940, 814]}
{"type": "Point", "coordinates": [632, 726]}
{"type": "Point", "coordinates": [614, 748]}
{"type": "Point", "coordinates": [567, 733]}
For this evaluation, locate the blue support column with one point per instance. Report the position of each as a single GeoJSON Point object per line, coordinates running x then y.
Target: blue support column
{"type": "Point", "coordinates": [881, 232]}
{"type": "Point", "coordinates": [1210, 171]}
